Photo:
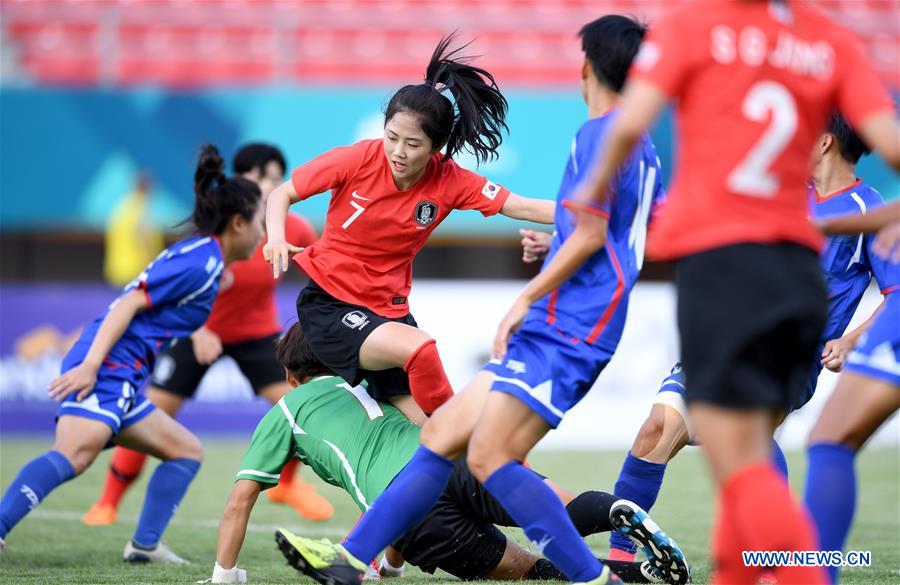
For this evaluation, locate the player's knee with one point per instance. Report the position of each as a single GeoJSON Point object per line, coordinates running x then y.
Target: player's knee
{"type": "Point", "coordinates": [80, 457]}
{"type": "Point", "coordinates": [846, 436]}
{"type": "Point", "coordinates": [442, 438]}
{"type": "Point", "coordinates": [187, 447]}
{"type": "Point", "coordinates": [483, 460]}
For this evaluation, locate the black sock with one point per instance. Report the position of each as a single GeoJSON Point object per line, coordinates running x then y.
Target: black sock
{"type": "Point", "coordinates": [543, 570]}
{"type": "Point", "coordinates": [590, 512]}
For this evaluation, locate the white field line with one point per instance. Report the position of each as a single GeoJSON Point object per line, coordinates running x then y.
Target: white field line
{"type": "Point", "coordinates": [204, 523]}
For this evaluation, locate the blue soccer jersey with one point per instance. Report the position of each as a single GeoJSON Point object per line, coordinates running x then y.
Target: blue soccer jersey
{"type": "Point", "coordinates": [592, 305]}
{"type": "Point", "coordinates": [570, 335]}
{"type": "Point", "coordinates": [847, 261]}
{"type": "Point", "coordinates": [180, 285]}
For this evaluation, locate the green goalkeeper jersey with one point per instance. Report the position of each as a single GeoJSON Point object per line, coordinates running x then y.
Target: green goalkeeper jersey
{"type": "Point", "coordinates": [349, 439]}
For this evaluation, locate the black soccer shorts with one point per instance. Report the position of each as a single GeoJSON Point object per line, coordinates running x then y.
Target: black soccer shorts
{"type": "Point", "coordinates": [335, 331]}
{"type": "Point", "coordinates": [750, 317]}
{"type": "Point", "coordinates": [460, 534]}
{"type": "Point", "coordinates": [178, 372]}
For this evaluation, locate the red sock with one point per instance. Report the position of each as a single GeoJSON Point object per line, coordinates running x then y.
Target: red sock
{"type": "Point", "coordinates": [726, 543]}
{"type": "Point", "coordinates": [288, 472]}
{"type": "Point", "coordinates": [124, 468]}
{"type": "Point", "coordinates": [767, 518]}
{"type": "Point", "coordinates": [428, 383]}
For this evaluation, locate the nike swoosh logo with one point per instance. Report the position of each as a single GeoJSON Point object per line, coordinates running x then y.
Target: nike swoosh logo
{"type": "Point", "coordinates": [356, 195]}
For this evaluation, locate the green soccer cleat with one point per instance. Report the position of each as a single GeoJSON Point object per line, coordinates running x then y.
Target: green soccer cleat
{"type": "Point", "coordinates": [324, 561]}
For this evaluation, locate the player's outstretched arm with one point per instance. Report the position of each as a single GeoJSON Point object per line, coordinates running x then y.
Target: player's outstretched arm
{"type": "Point", "coordinates": [588, 237]}
{"type": "Point", "coordinates": [83, 377]}
{"type": "Point", "coordinates": [277, 251]}
{"type": "Point", "coordinates": [529, 209]}
{"type": "Point", "coordinates": [882, 133]}
{"type": "Point", "coordinates": [865, 223]}
{"type": "Point", "coordinates": [232, 530]}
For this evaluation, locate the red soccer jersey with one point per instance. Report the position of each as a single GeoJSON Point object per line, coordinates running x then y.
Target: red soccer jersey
{"type": "Point", "coordinates": [373, 230]}
{"type": "Point", "coordinates": [754, 82]}
{"type": "Point", "coordinates": [245, 309]}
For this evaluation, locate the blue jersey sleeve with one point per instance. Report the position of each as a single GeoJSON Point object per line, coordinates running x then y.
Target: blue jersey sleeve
{"type": "Point", "coordinates": [179, 277]}
{"type": "Point", "coordinates": [886, 273]}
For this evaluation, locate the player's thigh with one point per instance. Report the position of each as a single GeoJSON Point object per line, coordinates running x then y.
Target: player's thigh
{"type": "Point", "coordinates": [662, 435]}
{"type": "Point", "coordinates": [80, 439]}
{"type": "Point", "coordinates": [506, 431]}
{"type": "Point", "coordinates": [160, 435]}
{"type": "Point", "coordinates": [258, 362]}
{"type": "Point", "coordinates": [855, 410]}
{"type": "Point", "coordinates": [741, 437]}
{"type": "Point", "coordinates": [390, 345]}
{"type": "Point", "coordinates": [165, 400]}
{"type": "Point", "coordinates": [450, 427]}
{"type": "Point", "coordinates": [406, 404]}
{"type": "Point", "coordinates": [275, 392]}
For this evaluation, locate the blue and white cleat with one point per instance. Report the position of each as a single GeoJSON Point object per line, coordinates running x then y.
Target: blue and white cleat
{"type": "Point", "coordinates": [662, 552]}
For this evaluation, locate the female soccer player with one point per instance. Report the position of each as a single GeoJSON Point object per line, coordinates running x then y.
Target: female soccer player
{"type": "Point", "coordinates": [388, 195]}
{"type": "Point", "coordinates": [244, 325]}
{"type": "Point", "coordinates": [867, 393]}
{"type": "Point", "coordinates": [98, 389]}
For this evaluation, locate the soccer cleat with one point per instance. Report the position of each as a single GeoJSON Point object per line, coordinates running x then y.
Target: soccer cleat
{"type": "Point", "coordinates": [324, 561]}
{"type": "Point", "coordinates": [100, 515]}
{"type": "Point", "coordinates": [649, 573]}
{"type": "Point", "coordinates": [304, 499]}
{"type": "Point", "coordinates": [161, 554]}
{"type": "Point", "coordinates": [663, 553]}
{"type": "Point", "coordinates": [607, 577]}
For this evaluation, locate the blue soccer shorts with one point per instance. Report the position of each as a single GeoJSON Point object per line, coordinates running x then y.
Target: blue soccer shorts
{"type": "Point", "coordinates": [877, 355]}
{"type": "Point", "coordinates": [115, 401]}
{"type": "Point", "coordinates": [547, 371]}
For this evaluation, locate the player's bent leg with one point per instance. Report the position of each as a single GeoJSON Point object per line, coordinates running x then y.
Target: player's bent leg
{"type": "Point", "coordinates": [515, 565]}
{"type": "Point", "coordinates": [854, 411]}
{"type": "Point", "coordinates": [448, 430]}
{"type": "Point", "coordinates": [393, 345]}
{"type": "Point", "coordinates": [78, 441]}
{"type": "Point", "coordinates": [506, 431]}
{"type": "Point", "coordinates": [161, 436]}
{"type": "Point", "coordinates": [659, 439]}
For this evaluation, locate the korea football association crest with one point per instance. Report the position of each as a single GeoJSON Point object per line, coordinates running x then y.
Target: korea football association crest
{"type": "Point", "coordinates": [355, 320]}
{"type": "Point", "coordinates": [426, 212]}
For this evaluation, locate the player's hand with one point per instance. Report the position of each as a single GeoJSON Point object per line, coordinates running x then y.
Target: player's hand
{"type": "Point", "coordinates": [207, 346]}
{"type": "Point", "coordinates": [81, 380]}
{"type": "Point", "coordinates": [509, 325]}
{"type": "Point", "coordinates": [887, 242]}
{"type": "Point", "coordinates": [535, 245]}
{"type": "Point", "coordinates": [835, 353]}
{"type": "Point", "coordinates": [220, 575]}
{"type": "Point", "coordinates": [278, 254]}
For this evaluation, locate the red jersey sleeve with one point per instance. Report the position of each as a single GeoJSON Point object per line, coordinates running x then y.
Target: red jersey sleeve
{"type": "Point", "coordinates": [476, 192]}
{"type": "Point", "coordinates": [299, 231]}
{"type": "Point", "coordinates": [328, 170]}
{"type": "Point", "coordinates": [859, 92]}
{"type": "Point", "coordinates": [664, 58]}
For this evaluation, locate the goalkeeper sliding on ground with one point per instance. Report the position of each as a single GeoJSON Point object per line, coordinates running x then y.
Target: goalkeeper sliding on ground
{"type": "Point", "coordinates": [359, 444]}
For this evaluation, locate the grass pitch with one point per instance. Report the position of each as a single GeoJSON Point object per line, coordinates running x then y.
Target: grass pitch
{"type": "Point", "coordinates": [52, 546]}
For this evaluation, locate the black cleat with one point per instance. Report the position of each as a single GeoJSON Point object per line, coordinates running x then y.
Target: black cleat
{"type": "Point", "coordinates": [663, 553]}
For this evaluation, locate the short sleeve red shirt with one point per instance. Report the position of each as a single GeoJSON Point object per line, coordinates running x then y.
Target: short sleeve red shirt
{"type": "Point", "coordinates": [754, 87]}
{"type": "Point", "coordinates": [245, 308]}
{"type": "Point", "coordinates": [373, 230]}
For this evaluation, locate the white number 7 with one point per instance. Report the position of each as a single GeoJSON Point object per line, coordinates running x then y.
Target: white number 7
{"type": "Point", "coordinates": [357, 213]}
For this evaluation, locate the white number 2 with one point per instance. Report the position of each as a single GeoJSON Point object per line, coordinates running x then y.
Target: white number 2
{"type": "Point", "coordinates": [357, 213]}
{"type": "Point", "coordinates": [752, 176]}
{"type": "Point", "coordinates": [369, 404]}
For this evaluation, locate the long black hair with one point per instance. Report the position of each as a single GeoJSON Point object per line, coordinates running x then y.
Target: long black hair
{"type": "Point", "coordinates": [478, 119]}
{"type": "Point", "coordinates": [217, 197]}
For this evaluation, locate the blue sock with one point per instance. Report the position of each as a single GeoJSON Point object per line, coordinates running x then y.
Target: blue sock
{"type": "Point", "coordinates": [831, 494]}
{"type": "Point", "coordinates": [778, 459]}
{"type": "Point", "coordinates": [405, 502]}
{"type": "Point", "coordinates": [39, 477]}
{"type": "Point", "coordinates": [165, 491]}
{"type": "Point", "coordinates": [540, 513]}
{"type": "Point", "coordinates": [640, 482]}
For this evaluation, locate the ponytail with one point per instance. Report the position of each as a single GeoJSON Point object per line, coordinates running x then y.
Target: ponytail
{"type": "Point", "coordinates": [218, 198]}
{"type": "Point", "coordinates": [477, 121]}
